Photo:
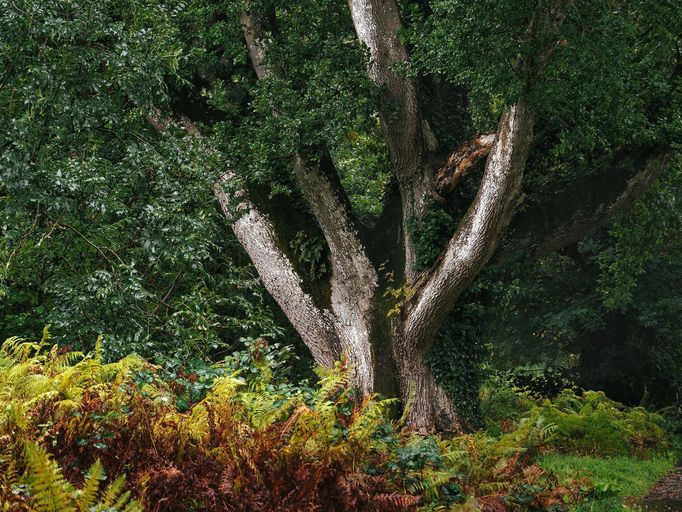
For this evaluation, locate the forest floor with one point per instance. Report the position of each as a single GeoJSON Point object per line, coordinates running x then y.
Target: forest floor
{"type": "Point", "coordinates": [666, 496]}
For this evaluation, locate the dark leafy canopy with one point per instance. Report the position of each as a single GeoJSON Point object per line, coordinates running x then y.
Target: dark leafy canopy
{"type": "Point", "coordinates": [608, 308]}
{"type": "Point", "coordinates": [109, 226]}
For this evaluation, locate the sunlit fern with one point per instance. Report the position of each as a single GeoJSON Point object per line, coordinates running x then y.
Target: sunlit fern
{"type": "Point", "coordinates": [49, 491]}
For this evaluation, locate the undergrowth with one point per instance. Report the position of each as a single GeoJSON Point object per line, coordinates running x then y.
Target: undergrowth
{"type": "Point", "coordinates": [80, 434]}
{"type": "Point", "coordinates": [580, 422]}
{"type": "Point", "coordinates": [613, 479]}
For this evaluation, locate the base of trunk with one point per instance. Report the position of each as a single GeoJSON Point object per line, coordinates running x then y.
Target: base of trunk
{"type": "Point", "coordinates": [428, 407]}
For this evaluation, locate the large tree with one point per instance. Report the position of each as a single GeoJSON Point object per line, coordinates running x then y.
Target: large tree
{"type": "Point", "coordinates": [356, 317]}
{"type": "Point", "coordinates": [511, 129]}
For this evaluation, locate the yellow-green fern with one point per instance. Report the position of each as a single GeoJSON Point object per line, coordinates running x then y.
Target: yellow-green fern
{"type": "Point", "coordinates": [49, 491]}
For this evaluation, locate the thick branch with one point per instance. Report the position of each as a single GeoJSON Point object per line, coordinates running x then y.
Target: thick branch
{"type": "Point", "coordinates": [481, 229]}
{"type": "Point", "coordinates": [353, 278]}
{"type": "Point", "coordinates": [377, 24]}
{"type": "Point", "coordinates": [461, 161]}
{"type": "Point", "coordinates": [257, 235]}
{"type": "Point", "coordinates": [584, 207]}
{"type": "Point", "coordinates": [255, 42]}
{"type": "Point", "coordinates": [475, 241]}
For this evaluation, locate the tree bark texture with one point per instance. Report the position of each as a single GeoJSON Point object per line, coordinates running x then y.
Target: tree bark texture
{"type": "Point", "coordinates": [377, 24]}
{"type": "Point", "coordinates": [354, 322]}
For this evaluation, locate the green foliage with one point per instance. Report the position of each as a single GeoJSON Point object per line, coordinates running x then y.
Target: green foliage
{"type": "Point", "coordinates": [541, 381]}
{"type": "Point", "coordinates": [397, 296]}
{"type": "Point", "coordinates": [310, 254]}
{"type": "Point", "coordinates": [612, 479]}
{"type": "Point", "coordinates": [106, 226]}
{"type": "Point", "coordinates": [446, 48]}
{"type": "Point", "coordinates": [364, 167]}
{"type": "Point", "coordinates": [320, 87]}
{"type": "Point", "coordinates": [430, 233]}
{"type": "Point", "coordinates": [457, 357]}
{"type": "Point", "coordinates": [257, 363]}
{"type": "Point", "coordinates": [611, 61]}
{"type": "Point", "coordinates": [48, 491]}
{"type": "Point", "coordinates": [237, 444]}
{"type": "Point", "coordinates": [574, 422]}
{"type": "Point", "coordinates": [592, 424]}
{"type": "Point", "coordinates": [502, 405]}
{"type": "Point", "coordinates": [607, 309]}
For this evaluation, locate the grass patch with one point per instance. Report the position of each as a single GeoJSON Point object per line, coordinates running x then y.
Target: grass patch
{"type": "Point", "coordinates": [614, 478]}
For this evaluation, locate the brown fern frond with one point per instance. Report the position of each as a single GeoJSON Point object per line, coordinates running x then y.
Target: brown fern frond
{"type": "Point", "coordinates": [395, 502]}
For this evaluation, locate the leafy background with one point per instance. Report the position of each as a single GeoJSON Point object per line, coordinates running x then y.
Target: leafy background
{"type": "Point", "coordinates": [109, 227]}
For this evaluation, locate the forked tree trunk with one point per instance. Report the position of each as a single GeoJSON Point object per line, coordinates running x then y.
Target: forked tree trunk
{"type": "Point", "coordinates": [355, 317]}
{"type": "Point", "coordinates": [388, 354]}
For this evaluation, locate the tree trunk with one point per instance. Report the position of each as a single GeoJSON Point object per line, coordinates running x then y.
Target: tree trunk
{"type": "Point", "coordinates": [387, 352]}
{"type": "Point", "coordinates": [429, 408]}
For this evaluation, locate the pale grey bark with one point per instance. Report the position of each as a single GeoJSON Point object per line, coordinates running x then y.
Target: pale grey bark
{"type": "Point", "coordinates": [377, 24]}
{"type": "Point", "coordinates": [353, 278]}
{"type": "Point", "coordinates": [475, 240]}
{"type": "Point", "coordinates": [429, 408]}
{"type": "Point", "coordinates": [318, 327]}
{"type": "Point", "coordinates": [257, 235]}
{"type": "Point", "coordinates": [466, 253]}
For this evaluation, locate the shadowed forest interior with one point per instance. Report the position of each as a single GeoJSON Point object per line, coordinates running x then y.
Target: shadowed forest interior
{"type": "Point", "coordinates": [309, 255]}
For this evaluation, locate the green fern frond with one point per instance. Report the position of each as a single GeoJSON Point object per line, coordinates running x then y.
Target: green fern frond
{"type": "Point", "coordinates": [9, 474]}
{"type": "Point", "coordinates": [18, 350]}
{"type": "Point", "coordinates": [113, 493]}
{"type": "Point", "coordinates": [331, 380]}
{"type": "Point", "coordinates": [87, 496]}
{"type": "Point", "coordinates": [491, 487]}
{"type": "Point", "coordinates": [45, 339]}
{"type": "Point", "coordinates": [50, 491]}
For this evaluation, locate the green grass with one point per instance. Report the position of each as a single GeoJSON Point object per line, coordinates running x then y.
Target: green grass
{"type": "Point", "coordinates": [614, 479]}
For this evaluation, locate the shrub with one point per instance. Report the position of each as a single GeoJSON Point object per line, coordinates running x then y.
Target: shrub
{"type": "Point", "coordinates": [48, 491]}
{"type": "Point", "coordinates": [542, 380]}
{"type": "Point", "coordinates": [244, 441]}
{"type": "Point", "coordinates": [249, 444]}
{"type": "Point", "coordinates": [575, 421]}
{"type": "Point", "coordinates": [591, 424]}
{"type": "Point", "coordinates": [503, 404]}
